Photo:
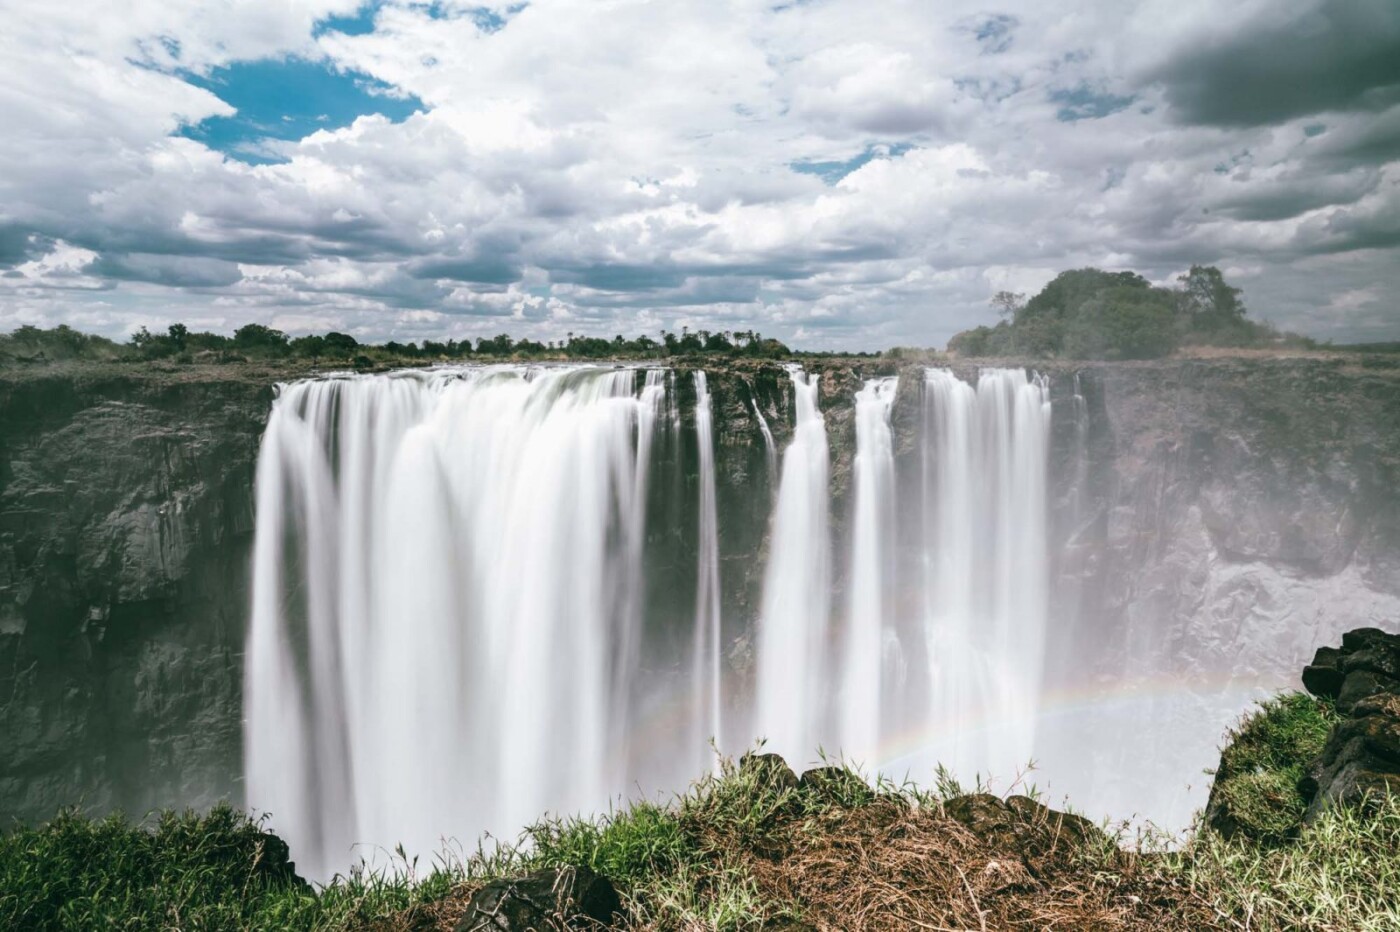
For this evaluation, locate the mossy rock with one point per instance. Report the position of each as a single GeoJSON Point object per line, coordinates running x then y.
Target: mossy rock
{"type": "Point", "coordinates": [1256, 794]}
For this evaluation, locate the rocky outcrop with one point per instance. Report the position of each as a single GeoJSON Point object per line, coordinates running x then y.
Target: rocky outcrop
{"type": "Point", "coordinates": [1362, 754]}
{"type": "Point", "coordinates": [1020, 826]}
{"type": "Point", "coordinates": [554, 900]}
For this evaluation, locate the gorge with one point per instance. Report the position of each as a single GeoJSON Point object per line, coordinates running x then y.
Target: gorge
{"type": "Point", "coordinates": [480, 594]}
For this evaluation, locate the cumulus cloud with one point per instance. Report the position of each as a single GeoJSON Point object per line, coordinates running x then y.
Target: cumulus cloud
{"type": "Point", "coordinates": [836, 173]}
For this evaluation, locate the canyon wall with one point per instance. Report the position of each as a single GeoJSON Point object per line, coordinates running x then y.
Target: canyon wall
{"type": "Point", "coordinates": [1212, 521]}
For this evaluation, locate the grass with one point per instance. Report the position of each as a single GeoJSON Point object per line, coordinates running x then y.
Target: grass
{"type": "Point", "coordinates": [748, 848]}
{"type": "Point", "coordinates": [1256, 785]}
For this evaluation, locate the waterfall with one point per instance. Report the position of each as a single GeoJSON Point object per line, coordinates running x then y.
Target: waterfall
{"type": "Point", "coordinates": [868, 621]}
{"type": "Point", "coordinates": [986, 585]}
{"type": "Point", "coordinates": [470, 606]}
{"type": "Point", "coordinates": [707, 622]}
{"type": "Point", "coordinates": [770, 450]}
{"type": "Point", "coordinates": [430, 547]}
{"type": "Point", "coordinates": [792, 625]}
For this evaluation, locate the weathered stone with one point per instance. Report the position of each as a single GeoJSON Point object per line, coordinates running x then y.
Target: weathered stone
{"type": "Point", "coordinates": [1362, 754]}
{"type": "Point", "coordinates": [1022, 828]}
{"type": "Point", "coordinates": [770, 771]}
{"type": "Point", "coordinates": [835, 784]}
{"type": "Point", "coordinates": [554, 900]}
{"type": "Point", "coordinates": [1323, 677]}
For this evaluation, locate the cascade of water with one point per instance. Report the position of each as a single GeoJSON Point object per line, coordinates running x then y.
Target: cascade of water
{"type": "Point", "coordinates": [448, 632]}
{"type": "Point", "coordinates": [792, 626]}
{"type": "Point", "coordinates": [985, 571]}
{"type": "Point", "coordinates": [707, 675]}
{"type": "Point", "coordinates": [770, 449]}
{"type": "Point", "coordinates": [867, 623]}
{"type": "Point", "coordinates": [430, 545]}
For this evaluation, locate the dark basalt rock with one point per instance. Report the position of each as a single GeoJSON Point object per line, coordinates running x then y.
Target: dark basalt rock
{"type": "Point", "coordinates": [1362, 754]}
{"type": "Point", "coordinates": [564, 898]}
{"type": "Point", "coordinates": [1021, 826]}
{"type": "Point", "coordinates": [770, 770]}
{"type": "Point", "coordinates": [835, 784]}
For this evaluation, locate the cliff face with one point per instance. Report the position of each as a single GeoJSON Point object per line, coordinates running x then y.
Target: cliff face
{"type": "Point", "coordinates": [125, 526]}
{"type": "Point", "coordinates": [1212, 522]}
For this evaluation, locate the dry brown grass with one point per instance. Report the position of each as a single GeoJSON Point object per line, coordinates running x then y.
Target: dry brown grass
{"type": "Point", "coordinates": [888, 866]}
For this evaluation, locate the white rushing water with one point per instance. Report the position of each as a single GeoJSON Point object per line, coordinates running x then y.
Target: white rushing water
{"type": "Point", "coordinates": [457, 655]}
{"type": "Point", "coordinates": [707, 650]}
{"type": "Point", "coordinates": [792, 685]}
{"type": "Point", "coordinates": [869, 615]}
{"type": "Point", "coordinates": [469, 608]}
{"type": "Point", "coordinates": [986, 587]}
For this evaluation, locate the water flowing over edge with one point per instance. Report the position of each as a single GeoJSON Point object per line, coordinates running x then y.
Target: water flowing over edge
{"type": "Point", "coordinates": [477, 597]}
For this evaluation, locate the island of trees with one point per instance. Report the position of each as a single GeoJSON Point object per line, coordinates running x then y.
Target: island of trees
{"type": "Point", "coordinates": [1093, 314]}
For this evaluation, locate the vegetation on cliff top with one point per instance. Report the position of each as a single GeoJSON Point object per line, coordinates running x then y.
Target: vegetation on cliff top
{"type": "Point", "coordinates": [1093, 314]}
{"type": "Point", "coordinates": [754, 848]}
{"type": "Point", "coordinates": [1081, 314]}
{"type": "Point", "coordinates": [258, 342]}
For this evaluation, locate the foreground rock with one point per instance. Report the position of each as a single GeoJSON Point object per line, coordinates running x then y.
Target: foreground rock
{"type": "Point", "coordinates": [565, 898]}
{"type": "Point", "coordinates": [1020, 824]}
{"type": "Point", "coordinates": [1362, 754]}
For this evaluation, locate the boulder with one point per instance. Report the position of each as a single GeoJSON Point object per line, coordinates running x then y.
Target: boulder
{"type": "Point", "coordinates": [1362, 754]}
{"type": "Point", "coordinates": [1023, 827]}
{"type": "Point", "coordinates": [836, 785]}
{"type": "Point", "coordinates": [554, 900]}
{"type": "Point", "coordinates": [770, 771]}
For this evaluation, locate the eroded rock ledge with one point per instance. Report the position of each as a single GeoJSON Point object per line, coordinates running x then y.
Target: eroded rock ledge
{"type": "Point", "coordinates": [1362, 756]}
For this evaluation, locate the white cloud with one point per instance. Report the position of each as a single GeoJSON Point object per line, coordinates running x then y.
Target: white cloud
{"type": "Point", "coordinates": [626, 165]}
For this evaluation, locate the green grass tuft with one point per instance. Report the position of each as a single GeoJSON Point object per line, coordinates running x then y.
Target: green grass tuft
{"type": "Point", "coordinates": [1256, 786]}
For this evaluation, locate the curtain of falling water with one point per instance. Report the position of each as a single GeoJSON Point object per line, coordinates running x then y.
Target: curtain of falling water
{"type": "Point", "coordinates": [792, 689]}
{"type": "Point", "coordinates": [871, 585]}
{"type": "Point", "coordinates": [707, 650]}
{"type": "Point", "coordinates": [447, 627]}
{"type": "Point", "coordinates": [985, 599]}
{"type": "Point", "coordinates": [430, 546]}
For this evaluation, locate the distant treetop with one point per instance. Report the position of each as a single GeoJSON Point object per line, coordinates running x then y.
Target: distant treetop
{"type": "Point", "coordinates": [1093, 314]}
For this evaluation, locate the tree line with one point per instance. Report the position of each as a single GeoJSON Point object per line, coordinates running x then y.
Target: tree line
{"type": "Point", "coordinates": [257, 341]}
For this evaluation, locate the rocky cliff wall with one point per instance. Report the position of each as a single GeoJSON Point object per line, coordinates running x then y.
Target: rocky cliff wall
{"type": "Point", "coordinates": [125, 524]}
{"type": "Point", "coordinates": [1212, 523]}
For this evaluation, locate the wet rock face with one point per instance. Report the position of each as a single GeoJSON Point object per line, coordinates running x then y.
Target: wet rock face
{"type": "Point", "coordinates": [125, 524]}
{"type": "Point", "coordinates": [555, 900]}
{"type": "Point", "coordinates": [1362, 755]}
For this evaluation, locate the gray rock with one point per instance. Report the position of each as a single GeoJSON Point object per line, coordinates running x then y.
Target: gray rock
{"type": "Point", "coordinates": [1362, 756]}
{"type": "Point", "coordinates": [554, 900]}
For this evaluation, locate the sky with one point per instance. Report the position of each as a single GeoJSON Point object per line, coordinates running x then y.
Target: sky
{"type": "Point", "coordinates": [840, 174]}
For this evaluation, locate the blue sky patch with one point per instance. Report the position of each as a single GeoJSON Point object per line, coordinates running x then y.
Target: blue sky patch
{"type": "Point", "coordinates": [360, 23]}
{"type": "Point", "coordinates": [487, 19]}
{"type": "Point", "coordinates": [1083, 103]}
{"type": "Point", "coordinates": [832, 172]}
{"type": "Point", "coordinates": [287, 99]}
